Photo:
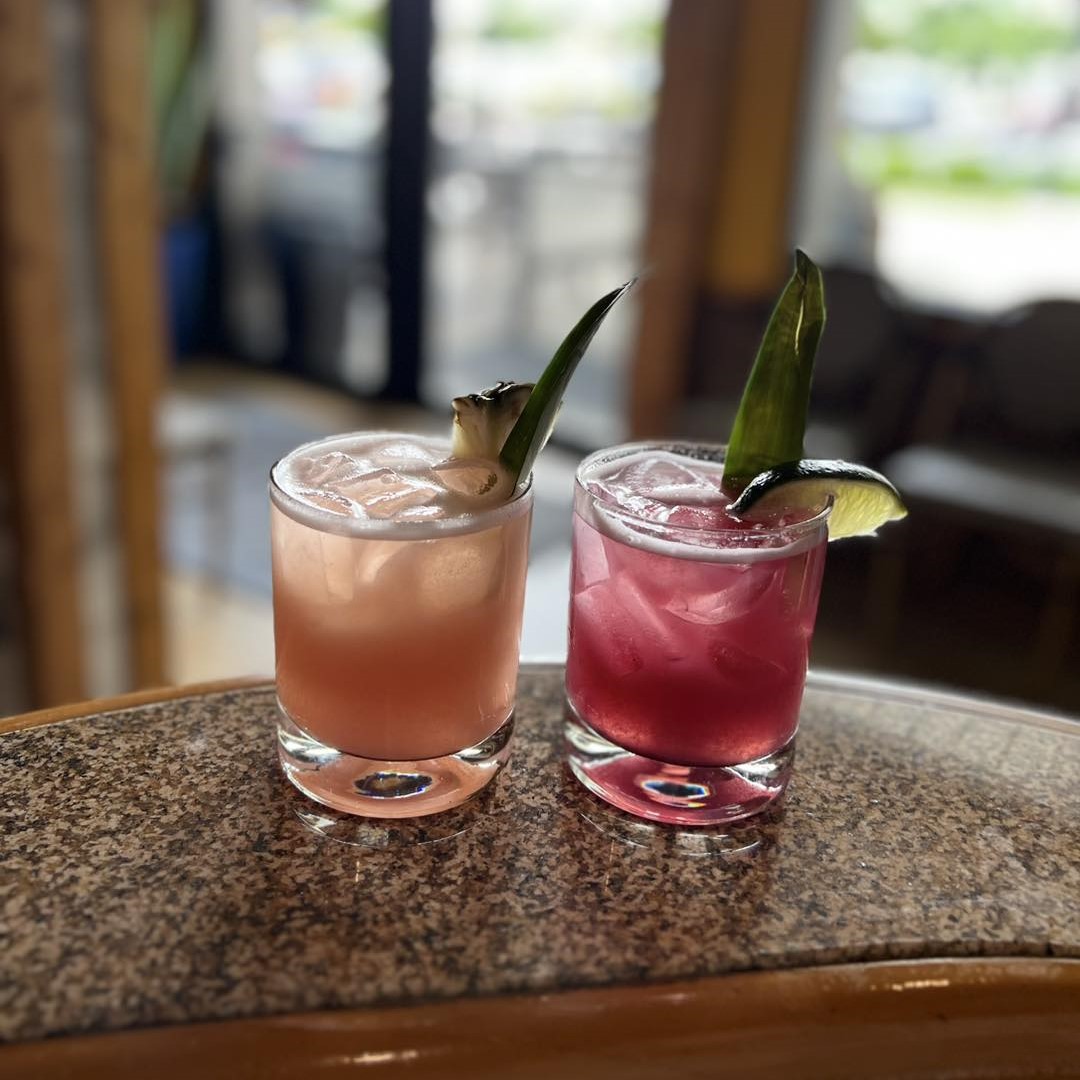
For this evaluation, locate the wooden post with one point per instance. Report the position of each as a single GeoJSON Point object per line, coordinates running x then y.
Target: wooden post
{"type": "Point", "coordinates": [35, 354]}
{"type": "Point", "coordinates": [751, 222]}
{"type": "Point", "coordinates": [690, 130]}
{"type": "Point", "coordinates": [128, 238]}
{"type": "Point", "coordinates": [723, 165]}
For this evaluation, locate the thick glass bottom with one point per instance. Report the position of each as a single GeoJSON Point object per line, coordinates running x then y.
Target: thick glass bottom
{"type": "Point", "coordinates": [674, 794]}
{"type": "Point", "coordinates": [389, 789]}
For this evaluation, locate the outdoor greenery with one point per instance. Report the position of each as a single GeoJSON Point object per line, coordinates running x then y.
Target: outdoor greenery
{"type": "Point", "coordinates": [356, 16]}
{"type": "Point", "coordinates": [883, 161]}
{"type": "Point", "coordinates": [511, 21]}
{"type": "Point", "coordinates": [180, 94]}
{"type": "Point", "coordinates": [968, 33]}
{"type": "Point", "coordinates": [990, 51]}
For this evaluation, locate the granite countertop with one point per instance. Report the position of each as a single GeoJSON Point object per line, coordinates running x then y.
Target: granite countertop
{"type": "Point", "coordinates": [158, 869]}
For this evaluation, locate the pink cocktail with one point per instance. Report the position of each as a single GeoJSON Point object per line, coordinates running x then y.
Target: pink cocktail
{"type": "Point", "coordinates": [397, 617]}
{"type": "Point", "coordinates": [689, 636]}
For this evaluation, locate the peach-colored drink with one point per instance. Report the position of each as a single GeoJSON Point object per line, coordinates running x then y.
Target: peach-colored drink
{"type": "Point", "coordinates": [397, 603]}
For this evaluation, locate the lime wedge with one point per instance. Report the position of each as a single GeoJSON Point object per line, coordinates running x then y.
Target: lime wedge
{"type": "Point", "coordinates": [863, 500]}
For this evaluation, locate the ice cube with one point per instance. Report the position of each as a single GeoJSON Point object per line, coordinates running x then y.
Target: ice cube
{"type": "Point", "coordinates": [615, 494]}
{"type": "Point", "coordinates": [644, 474]}
{"type": "Point", "coordinates": [661, 486]}
{"type": "Point", "coordinates": [590, 558]}
{"type": "Point", "coordinates": [743, 670]}
{"type": "Point", "coordinates": [614, 645]}
{"type": "Point", "coordinates": [326, 470]}
{"type": "Point", "coordinates": [635, 606]}
{"type": "Point", "coordinates": [373, 557]}
{"type": "Point", "coordinates": [432, 511]}
{"type": "Point", "coordinates": [693, 494]}
{"type": "Point", "coordinates": [385, 493]}
{"type": "Point", "coordinates": [480, 481]}
{"type": "Point", "coordinates": [405, 456]}
{"type": "Point", "coordinates": [333, 501]}
{"type": "Point", "coordinates": [456, 573]}
{"type": "Point", "coordinates": [621, 613]}
{"type": "Point", "coordinates": [739, 590]}
{"type": "Point", "coordinates": [337, 555]}
{"type": "Point", "coordinates": [701, 516]}
{"type": "Point", "coordinates": [297, 557]}
{"type": "Point", "coordinates": [668, 478]}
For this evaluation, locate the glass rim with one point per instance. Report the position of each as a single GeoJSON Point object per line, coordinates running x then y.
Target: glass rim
{"type": "Point", "coordinates": [687, 534]}
{"type": "Point", "coordinates": [387, 528]}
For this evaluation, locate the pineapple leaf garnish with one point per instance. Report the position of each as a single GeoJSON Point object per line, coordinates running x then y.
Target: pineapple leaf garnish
{"type": "Point", "coordinates": [530, 433]}
{"type": "Point", "coordinates": [771, 420]}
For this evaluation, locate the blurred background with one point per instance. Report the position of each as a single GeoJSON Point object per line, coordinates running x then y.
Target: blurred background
{"type": "Point", "coordinates": [227, 228]}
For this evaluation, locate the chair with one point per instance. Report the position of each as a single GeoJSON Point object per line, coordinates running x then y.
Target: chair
{"type": "Point", "coordinates": [1010, 465]}
{"type": "Point", "coordinates": [866, 371]}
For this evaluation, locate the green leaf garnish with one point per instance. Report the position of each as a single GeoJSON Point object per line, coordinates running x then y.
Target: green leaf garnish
{"type": "Point", "coordinates": [528, 435]}
{"type": "Point", "coordinates": [771, 420]}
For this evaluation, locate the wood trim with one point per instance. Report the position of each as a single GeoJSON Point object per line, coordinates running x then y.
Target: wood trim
{"type": "Point", "coordinates": [987, 1018]}
{"type": "Point", "coordinates": [690, 130]}
{"type": "Point", "coordinates": [79, 709]}
{"type": "Point", "coordinates": [136, 698]}
{"type": "Point", "coordinates": [35, 358]}
{"type": "Point", "coordinates": [826, 681]}
{"type": "Point", "coordinates": [928, 696]}
{"type": "Point", "coordinates": [128, 239]}
{"type": "Point", "coordinates": [724, 158]}
{"type": "Point", "coordinates": [751, 223]}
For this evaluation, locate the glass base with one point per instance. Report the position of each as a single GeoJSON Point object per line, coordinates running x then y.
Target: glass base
{"type": "Point", "coordinates": [674, 794]}
{"type": "Point", "coordinates": [389, 789]}
{"type": "Point", "coordinates": [400, 834]}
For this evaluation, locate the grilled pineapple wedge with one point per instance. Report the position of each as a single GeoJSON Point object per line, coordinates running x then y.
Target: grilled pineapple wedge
{"type": "Point", "coordinates": [482, 423]}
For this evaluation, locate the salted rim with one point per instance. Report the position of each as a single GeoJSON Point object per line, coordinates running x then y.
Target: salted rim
{"type": "Point", "coordinates": [687, 541]}
{"type": "Point", "coordinates": [327, 521]}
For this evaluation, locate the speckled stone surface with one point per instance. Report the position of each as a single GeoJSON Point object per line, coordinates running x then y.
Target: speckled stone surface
{"type": "Point", "coordinates": [156, 867]}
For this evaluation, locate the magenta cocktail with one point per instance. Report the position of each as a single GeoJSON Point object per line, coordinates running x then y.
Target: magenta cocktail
{"type": "Point", "coordinates": [689, 635]}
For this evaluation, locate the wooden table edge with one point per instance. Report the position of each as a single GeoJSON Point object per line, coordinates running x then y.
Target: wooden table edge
{"type": "Point", "coordinates": [906, 1006]}
{"type": "Point", "coordinates": [821, 679]}
{"type": "Point", "coordinates": [95, 706]}
{"type": "Point", "coordinates": [81, 709]}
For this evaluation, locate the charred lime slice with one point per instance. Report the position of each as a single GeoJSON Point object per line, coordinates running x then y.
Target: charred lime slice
{"type": "Point", "coordinates": [862, 500]}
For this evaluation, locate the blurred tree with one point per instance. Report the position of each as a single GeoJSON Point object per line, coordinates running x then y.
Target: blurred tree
{"type": "Point", "coordinates": [968, 33]}
{"type": "Point", "coordinates": [358, 16]}
{"type": "Point", "coordinates": [512, 20]}
{"type": "Point", "coordinates": [181, 99]}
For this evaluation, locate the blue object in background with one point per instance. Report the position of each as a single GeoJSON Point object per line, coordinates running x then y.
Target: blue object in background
{"type": "Point", "coordinates": [186, 252]}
